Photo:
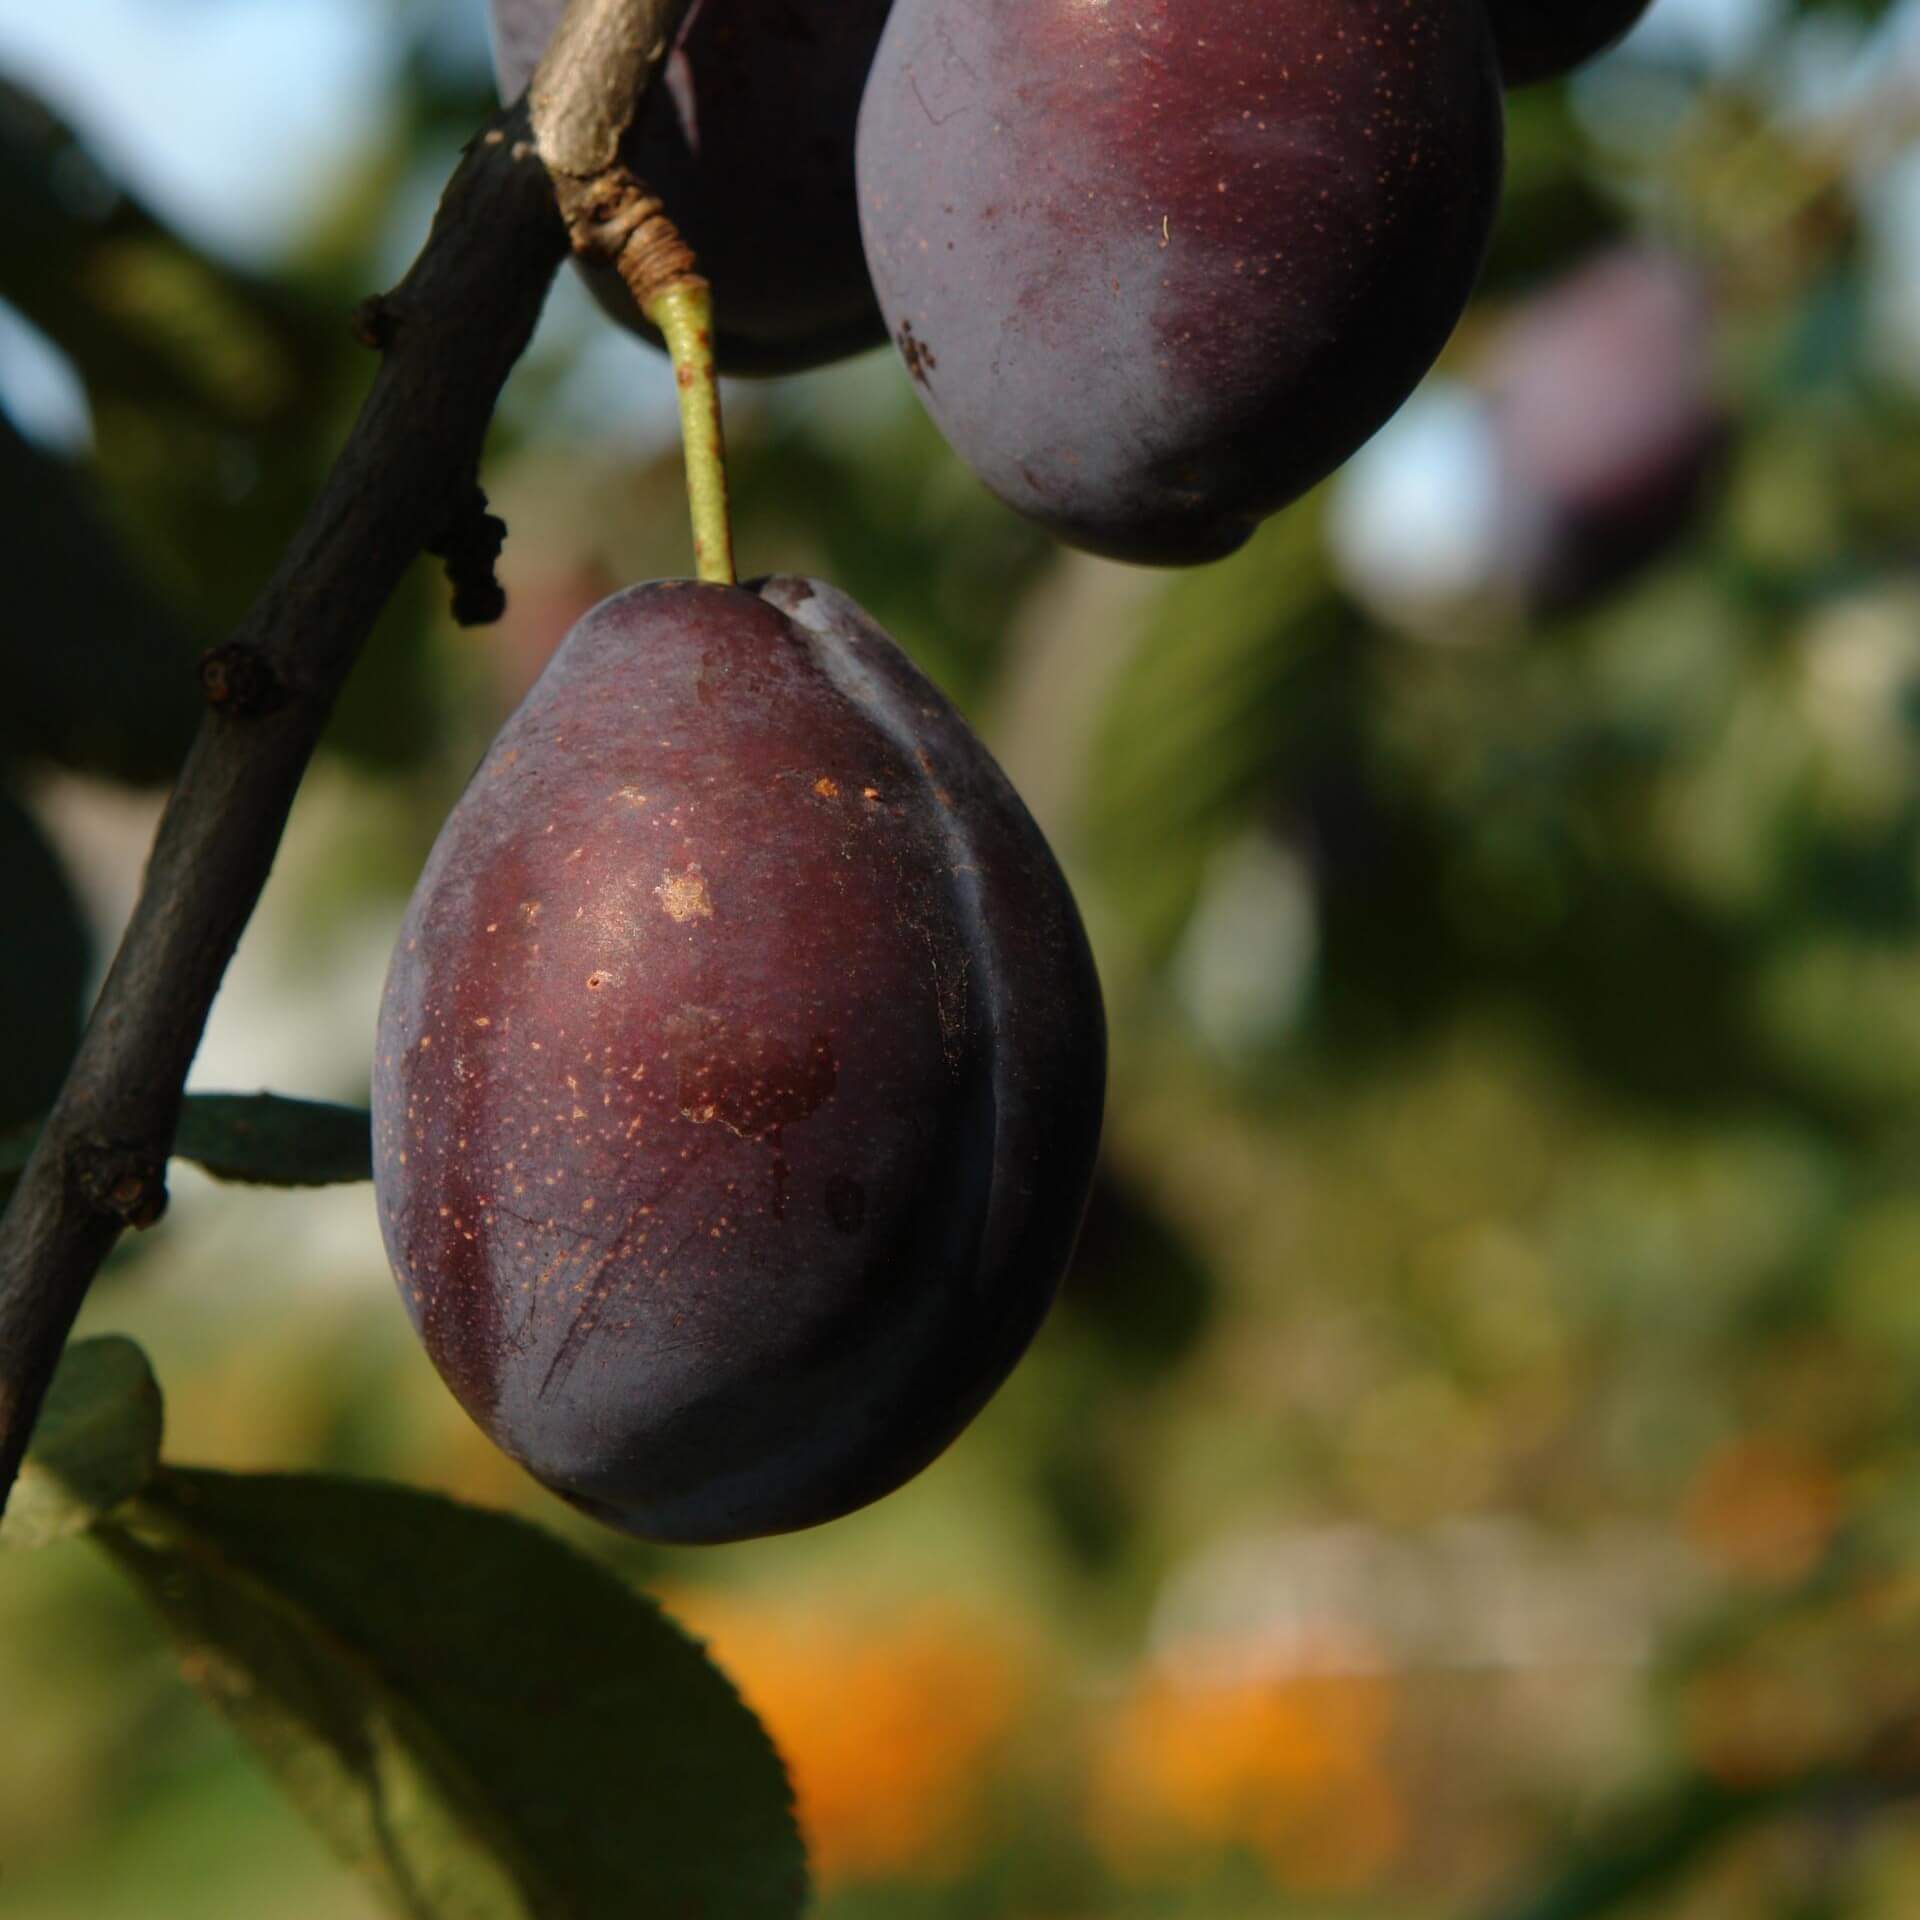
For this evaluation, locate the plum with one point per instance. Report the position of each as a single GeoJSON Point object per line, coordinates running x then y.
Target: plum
{"type": "Point", "coordinates": [1609, 430]}
{"type": "Point", "coordinates": [749, 141]}
{"type": "Point", "coordinates": [739, 1070]}
{"type": "Point", "coordinates": [1542, 39]}
{"type": "Point", "coordinates": [1155, 269]}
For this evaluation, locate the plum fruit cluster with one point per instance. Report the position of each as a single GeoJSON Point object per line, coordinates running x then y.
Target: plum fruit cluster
{"type": "Point", "coordinates": [1153, 268]}
{"type": "Point", "coordinates": [739, 1073]}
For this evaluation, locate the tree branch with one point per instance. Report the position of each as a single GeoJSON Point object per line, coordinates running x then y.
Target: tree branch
{"type": "Point", "coordinates": [450, 334]}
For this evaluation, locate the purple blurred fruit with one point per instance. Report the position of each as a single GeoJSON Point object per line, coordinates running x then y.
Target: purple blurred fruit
{"type": "Point", "coordinates": [1157, 266]}
{"type": "Point", "coordinates": [1542, 39]}
{"type": "Point", "coordinates": [1607, 423]}
{"type": "Point", "coordinates": [749, 141]}
{"type": "Point", "coordinates": [739, 1072]}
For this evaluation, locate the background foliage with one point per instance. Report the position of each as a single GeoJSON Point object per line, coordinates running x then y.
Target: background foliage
{"type": "Point", "coordinates": [1475, 1468]}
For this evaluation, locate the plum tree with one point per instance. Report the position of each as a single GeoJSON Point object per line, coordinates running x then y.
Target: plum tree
{"type": "Point", "coordinates": [1154, 270]}
{"type": "Point", "coordinates": [1542, 39]}
{"type": "Point", "coordinates": [1608, 426]}
{"type": "Point", "coordinates": [749, 141]}
{"type": "Point", "coordinates": [739, 1071]}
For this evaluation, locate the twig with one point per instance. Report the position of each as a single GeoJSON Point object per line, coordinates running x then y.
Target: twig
{"type": "Point", "coordinates": [450, 334]}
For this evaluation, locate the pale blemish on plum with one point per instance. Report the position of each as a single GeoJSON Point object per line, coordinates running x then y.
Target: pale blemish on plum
{"type": "Point", "coordinates": [683, 896]}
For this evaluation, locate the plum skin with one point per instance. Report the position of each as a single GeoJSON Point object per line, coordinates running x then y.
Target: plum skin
{"type": "Point", "coordinates": [748, 139]}
{"type": "Point", "coordinates": [1543, 39]}
{"type": "Point", "coordinates": [1155, 270]}
{"type": "Point", "coordinates": [739, 1070]}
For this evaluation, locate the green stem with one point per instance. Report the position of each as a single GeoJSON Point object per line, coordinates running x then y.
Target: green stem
{"type": "Point", "coordinates": [683, 312]}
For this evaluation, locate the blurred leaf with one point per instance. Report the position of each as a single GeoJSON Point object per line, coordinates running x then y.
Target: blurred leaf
{"type": "Point", "coordinates": [1136, 1284]}
{"type": "Point", "coordinates": [99, 668]}
{"type": "Point", "coordinates": [486, 1724]}
{"type": "Point", "coordinates": [44, 958]}
{"type": "Point", "coordinates": [1650, 1851]}
{"type": "Point", "coordinates": [96, 1444]}
{"type": "Point", "coordinates": [263, 1139]}
{"type": "Point", "coordinates": [216, 395]}
{"type": "Point", "coordinates": [385, 718]}
{"type": "Point", "coordinates": [138, 309]}
{"type": "Point", "coordinates": [1203, 713]}
{"type": "Point", "coordinates": [1551, 205]}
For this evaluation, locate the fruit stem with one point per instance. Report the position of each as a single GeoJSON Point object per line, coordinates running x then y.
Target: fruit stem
{"type": "Point", "coordinates": [683, 311]}
{"type": "Point", "coordinates": [614, 218]}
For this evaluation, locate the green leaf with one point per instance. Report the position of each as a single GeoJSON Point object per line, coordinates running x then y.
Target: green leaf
{"type": "Point", "coordinates": [96, 1445]}
{"type": "Point", "coordinates": [263, 1139]}
{"type": "Point", "coordinates": [486, 1724]}
{"type": "Point", "coordinates": [270, 1141]}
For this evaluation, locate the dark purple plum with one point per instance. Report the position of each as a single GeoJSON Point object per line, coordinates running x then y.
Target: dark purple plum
{"type": "Point", "coordinates": [1608, 426]}
{"type": "Point", "coordinates": [1158, 266]}
{"type": "Point", "coordinates": [1542, 39]}
{"type": "Point", "coordinates": [749, 141]}
{"type": "Point", "coordinates": [739, 1072]}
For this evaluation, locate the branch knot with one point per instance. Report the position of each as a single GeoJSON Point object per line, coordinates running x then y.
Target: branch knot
{"type": "Point", "coordinates": [240, 681]}
{"type": "Point", "coordinates": [123, 1181]}
{"type": "Point", "coordinates": [375, 322]}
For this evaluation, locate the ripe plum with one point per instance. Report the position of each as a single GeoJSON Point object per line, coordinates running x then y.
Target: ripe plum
{"type": "Point", "coordinates": [739, 1070]}
{"type": "Point", "coordinates": [749, 141]}
{"type": "Point", "coordinates": [1156, 269]}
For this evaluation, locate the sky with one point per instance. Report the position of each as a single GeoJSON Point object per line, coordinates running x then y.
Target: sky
{"type": "Point", "coordinates": [228, 113]}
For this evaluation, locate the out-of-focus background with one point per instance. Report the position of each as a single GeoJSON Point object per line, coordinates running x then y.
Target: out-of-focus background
{"type": "Point", "coordinates": [1475, 1466]}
